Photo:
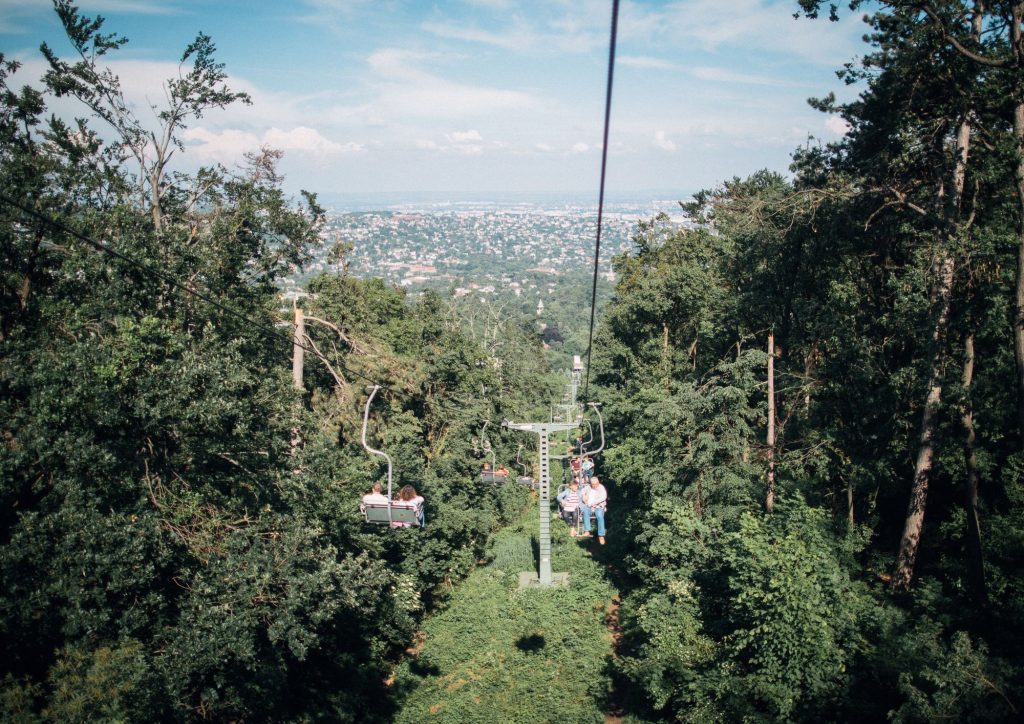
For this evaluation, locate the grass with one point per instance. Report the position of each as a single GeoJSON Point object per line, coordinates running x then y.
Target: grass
{"type": "Point", "coordinates": [497, 654]}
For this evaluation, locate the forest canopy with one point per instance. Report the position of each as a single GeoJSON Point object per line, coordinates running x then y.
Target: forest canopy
{"type": "Point", "coordinates": [814, 395]}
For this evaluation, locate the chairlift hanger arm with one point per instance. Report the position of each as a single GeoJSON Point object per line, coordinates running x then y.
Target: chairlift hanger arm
{"type": "Point", "coordinates": [366, 417]}
{"type": "Point", "coordinates": [590, 432]}
{"type": "Point", "coordinates": [600, 422]}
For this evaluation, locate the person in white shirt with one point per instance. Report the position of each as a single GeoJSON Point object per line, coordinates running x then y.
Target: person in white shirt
{"type": "Point", "coordinates": [595, 503]}
{"type": "Point", "coordinates": [374, 497]}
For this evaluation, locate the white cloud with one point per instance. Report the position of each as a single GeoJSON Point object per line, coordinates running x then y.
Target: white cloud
{"type": "Point", "coordinates": [464, 136]}
{"type": "Point", "coordinates": [404, 90]}
{"type": "Point", "coordinates": [750, 25]}
{"type": "Point", "coordinates": [302, 138]}
{"type": "Point", "coordinates": [517, 38]}
{"type": "Point", "coordinates": [333, 14]}
{"type": "Point", "coordinates": [226, 146]}
{"type": "Point", "coordinates": [580, 147]}
{"type": "Point", "coordinates": [492, 4]}
{"type": "Point", "coordinates": [645, 62]}
{"type": "Point", "coordinates": [230, 144]}
{"type": "Point", "coordinates": [144, 7]}
{"type": "Point", "coordinates": [548, 28]}
{"type": "Point", "coordinates": [397, 63]}
{"type": "Point", "coordinates": [837, 125]}
{"type": "Point", "coordinates": [720, 75]}
{"type": "Point", "coordinates": [466, 143]}
{"type": "Point", "coordinates": [663, 142]}
{"type": "Point", "coordinates": [543, 147]}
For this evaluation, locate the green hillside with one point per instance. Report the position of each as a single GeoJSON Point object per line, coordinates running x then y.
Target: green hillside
{"type": "Point", "coordinates": [812, 394]}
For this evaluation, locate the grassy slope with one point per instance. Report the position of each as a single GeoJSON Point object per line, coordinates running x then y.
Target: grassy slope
{"type": "Point", "coordinates": [501, 655]}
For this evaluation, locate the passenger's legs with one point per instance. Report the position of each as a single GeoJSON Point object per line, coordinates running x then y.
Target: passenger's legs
{"type": "Point", "coordinates": [599, 512]}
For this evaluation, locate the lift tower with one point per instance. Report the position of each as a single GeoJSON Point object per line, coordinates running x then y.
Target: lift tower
{"type": "Point", "coordinates": [570, 418]}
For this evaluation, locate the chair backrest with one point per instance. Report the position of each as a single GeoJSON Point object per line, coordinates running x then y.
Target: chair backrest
{"type": "Point", "coordinates": [378, 513]}
{"type": "Point", "coordinates": [489, 477]}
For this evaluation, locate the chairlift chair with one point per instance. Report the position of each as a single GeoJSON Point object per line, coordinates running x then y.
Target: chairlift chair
{"type": "Point", "coordinates": [492, 475]}
{"type": "Point", "coordinates": [524, 479]}
{"type": "Point", "coordinates": [390, 514]}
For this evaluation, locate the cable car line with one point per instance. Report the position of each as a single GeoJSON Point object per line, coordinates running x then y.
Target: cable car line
{"type": "Point", "coordinates": [600, 202]}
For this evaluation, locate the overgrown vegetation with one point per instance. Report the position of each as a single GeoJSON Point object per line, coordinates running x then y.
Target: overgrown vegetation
{"type": "Point", "coordinates": [516, 655]}
{"type": "Point", "coordinates": [179, 534]}
{"type": "Point", "coordinates": [854, 567]}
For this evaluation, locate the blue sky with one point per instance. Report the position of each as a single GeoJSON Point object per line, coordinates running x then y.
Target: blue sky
{"type": "Point", "coordinates": [483, 95]}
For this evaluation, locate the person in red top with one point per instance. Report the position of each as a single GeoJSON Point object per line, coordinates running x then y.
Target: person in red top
{"type": "Point", "coordinates": [574, 465]}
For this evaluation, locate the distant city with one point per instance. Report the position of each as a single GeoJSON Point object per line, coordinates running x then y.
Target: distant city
{"type": "Point", "coordinates": [521, 246]}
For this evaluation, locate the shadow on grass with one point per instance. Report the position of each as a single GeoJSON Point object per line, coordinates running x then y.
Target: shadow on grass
{"type": "Point", "coordinates": [423, 668]}
{"type": "Point", "coordinates": [531, 643]}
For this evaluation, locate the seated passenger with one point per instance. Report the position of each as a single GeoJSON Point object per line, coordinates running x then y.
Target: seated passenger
{"type": "Point", "coordinates": [407, 498]}
{"type": "Point", "coordinates": [595, 503]}
{"type": "Point", "coordinates": [568, 505]}
{"type": "Point", "coordinates": [374, 497]}
{"type": "Point", "coordinates": [587, 469]}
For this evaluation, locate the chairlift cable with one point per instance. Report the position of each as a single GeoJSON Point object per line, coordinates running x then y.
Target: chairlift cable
{"type": "Point", "coordinates": [600, 202]}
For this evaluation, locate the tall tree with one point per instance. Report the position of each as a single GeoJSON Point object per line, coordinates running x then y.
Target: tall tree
{"type": "Point", "coordinates": [196, 90]}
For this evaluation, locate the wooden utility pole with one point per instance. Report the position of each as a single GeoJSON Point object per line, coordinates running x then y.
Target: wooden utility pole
{"type": "Point", "coordinates": [298, 358]}
{"type": "Point", "coordinates": [769, 502]}
{"type": "Point", "coordinates": [298, 350]}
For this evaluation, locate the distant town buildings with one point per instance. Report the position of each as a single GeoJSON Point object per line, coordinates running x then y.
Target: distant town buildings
{"type": "Point", "coordinates": [522, 251]}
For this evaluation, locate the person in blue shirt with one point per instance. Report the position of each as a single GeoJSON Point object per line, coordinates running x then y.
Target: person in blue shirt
{"type": "Point", "coordinates": [587, 469]}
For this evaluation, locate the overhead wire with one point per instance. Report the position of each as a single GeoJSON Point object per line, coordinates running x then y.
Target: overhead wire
{"type": "Point", "coordinates": [600, 201]}
{"type": "Point", "coordinates": [241, 317]}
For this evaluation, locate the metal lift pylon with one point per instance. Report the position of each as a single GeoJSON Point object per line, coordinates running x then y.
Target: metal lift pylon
{"type": "Point", "coordinates": [572, 418]}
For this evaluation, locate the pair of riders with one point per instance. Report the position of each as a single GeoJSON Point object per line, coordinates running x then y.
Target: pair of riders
{"type": "Point", "coordinates": [406, 498]}
{"type": "Point", "coordinates": [592, 501]}
{"type": "Point", "coordinates": [582, 468]}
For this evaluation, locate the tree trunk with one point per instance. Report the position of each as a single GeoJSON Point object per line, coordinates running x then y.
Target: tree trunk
{"type": "Point", "coordinates": [298, 362]}
{"type": "Point", "coordinates": [769, 502]}
{"type": "Point", "coordinates": [941, 302]}
{"type": "Point", "coordinates": [810, 364]}
{"type": "Point", "coordinates": [1018, 317]}
{"type": "Point", "coordinates": [849, 505]}
{"type": "Point", "coordinates": [925, 453]}
{"type": "Point", "coordinates": [666, 357]}
{"type": "Point", "coordinates": [298, 350]}
{"type": "Point", "coordinates": [975, 558]}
